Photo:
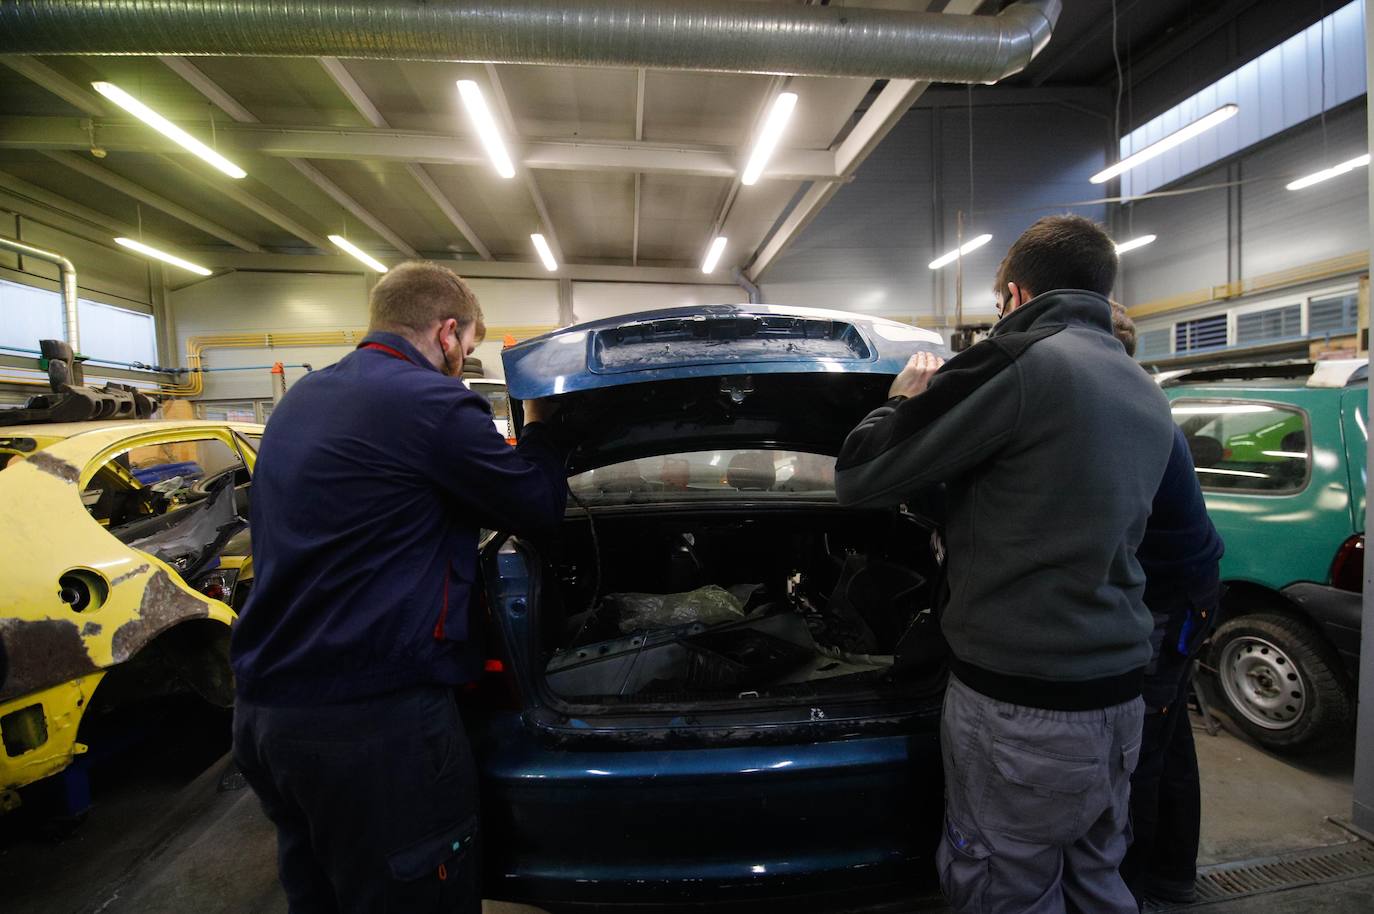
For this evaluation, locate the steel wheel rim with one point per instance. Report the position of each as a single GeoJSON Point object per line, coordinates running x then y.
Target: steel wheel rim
{"type": "Point", "coordinates": [1262, 682]}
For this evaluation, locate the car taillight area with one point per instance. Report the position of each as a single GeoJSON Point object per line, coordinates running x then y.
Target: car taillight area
{"type": "Point", "coordinates": [1347, 569]}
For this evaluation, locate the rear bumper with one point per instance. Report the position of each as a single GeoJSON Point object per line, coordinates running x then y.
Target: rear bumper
{"type": "Point", "coordinates": [1338, 612]}
{"type": "Point", "coordinates": [818, 826]}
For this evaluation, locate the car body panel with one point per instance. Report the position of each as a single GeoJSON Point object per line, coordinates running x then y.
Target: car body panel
{"type": "Point", "coordinates": [1259, 527]}
{"type": "Point", "coordinates": [678, 825]}
{"type": "Point", "coordinates": [56, 654]}
{"type": "Point", "coordinates": [710, 341]}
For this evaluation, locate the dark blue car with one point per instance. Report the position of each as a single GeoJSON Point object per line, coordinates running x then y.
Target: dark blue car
{"type": "Point", "coordinates": [718, 684]}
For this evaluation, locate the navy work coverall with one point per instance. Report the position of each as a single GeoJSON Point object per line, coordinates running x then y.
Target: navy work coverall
{"type": "Point", "coordinates": [1179, 555]}
{"type": "Point", "coordinates": [374, 478]}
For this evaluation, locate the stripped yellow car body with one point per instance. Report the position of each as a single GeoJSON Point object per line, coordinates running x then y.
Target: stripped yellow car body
{"type": "Point", "coordinates": [56, 655]}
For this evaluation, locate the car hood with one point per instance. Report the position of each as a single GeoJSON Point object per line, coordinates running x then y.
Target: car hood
{"type": "Point", "coordinates": [713, 376]}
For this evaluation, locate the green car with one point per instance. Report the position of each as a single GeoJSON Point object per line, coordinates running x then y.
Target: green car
{"type": "Point", "coordinates": [1280, 454]}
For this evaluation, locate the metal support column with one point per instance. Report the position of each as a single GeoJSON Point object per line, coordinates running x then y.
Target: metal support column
{"type": "Point", "coordinates": [1362, 812]}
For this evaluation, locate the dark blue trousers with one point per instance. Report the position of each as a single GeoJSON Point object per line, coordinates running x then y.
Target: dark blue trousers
{"type": "Point", "coordinates": [375, 802]}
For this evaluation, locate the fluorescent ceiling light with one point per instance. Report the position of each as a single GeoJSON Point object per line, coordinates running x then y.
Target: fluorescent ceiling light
{"type": "Point", "coordinates": [1159, 147]}
{"type": "Point", "coordinates": [485, 126]}
{"type": "Point", "coordinates": [778, 116]}
{"type": "Point", "coordinates": [163, 256]}
{"type": "Point", "coordinates": [167, 128]}
{"type": "Point", "coordinates": [713, 254]}
{"type": "Point", "coordinates": [949, 258]}
{"type": "Point", "coordinates": [351, 248]}
{"type": "Point", "coordinates": [545, 253]}
{"type": "Point", "coordinates": [1335, 171]}
{"type": "Point", "coordinates": [1134, 243]}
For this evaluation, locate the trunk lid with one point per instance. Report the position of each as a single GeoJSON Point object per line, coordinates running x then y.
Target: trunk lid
{"type": "Point", "coordinates": [713, 376]}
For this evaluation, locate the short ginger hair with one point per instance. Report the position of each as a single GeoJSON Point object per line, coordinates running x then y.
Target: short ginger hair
{"type": "Point", "coordinates": [413, 297]}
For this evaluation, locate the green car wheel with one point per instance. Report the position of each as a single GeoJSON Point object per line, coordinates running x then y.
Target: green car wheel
{"type": "Point", "coordinates": [1279, 682]}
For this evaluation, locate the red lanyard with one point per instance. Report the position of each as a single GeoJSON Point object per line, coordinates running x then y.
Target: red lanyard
{"type": "Point", "coordinates": [382, 347]}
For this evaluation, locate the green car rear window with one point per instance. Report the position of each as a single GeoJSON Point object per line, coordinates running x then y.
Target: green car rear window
{"type": "Point", "coordinates": [1246, 445]}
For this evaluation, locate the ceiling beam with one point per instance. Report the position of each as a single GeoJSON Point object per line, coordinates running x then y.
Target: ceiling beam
{"type": "Point", "coordinates": [118, 182]}
{"type": "Point", "coordinates": [102, 222]}
{"type": "Point", "coordinates": [226, 103]}
{"type": "Point", "coordinates": [251, 203]}
{"type": "Point", "coordinates": [353, 144]}
{"type": "Point", "coordinates": [526, 174]}
{"type": "Point", "coordinates": [39, 73]}
{"type": "Point", "coordinates": [479, 269]}
{"type": "Point", "coordinates": [358, 98]}
{"type": "Point", "coordinates": [886, 111]}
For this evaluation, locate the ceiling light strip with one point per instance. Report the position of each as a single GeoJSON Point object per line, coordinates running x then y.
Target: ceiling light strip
{"type": "Point", "coordinates": [1326, 174]}
{"type": "Point", "coordinates": [970, 245]}
{"type": "Point", "coordinates": [154, 253]}
{"type": "Point", "coordinates": [485, 125]}
{"type": "Point", "coordinates": [1134, 243]}
{"type": "Point", "coordinates": [713, 254]}
{"type": "Point", "coordinates": [541, 245]}
{"type": "Point", "coordinates": [767, 142]}
{"type": "Point", "coordinates": [1159, 147]}
{"type": "Point", "coordinates": [350, 248]}
{"type": "Point", "coordinates": [167, 128]}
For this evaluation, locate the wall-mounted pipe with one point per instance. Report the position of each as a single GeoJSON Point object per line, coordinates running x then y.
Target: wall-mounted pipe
{"type": "Point", "coordinates": [66, 273]}
{"type": "Point", "coordinates": [713, 35]}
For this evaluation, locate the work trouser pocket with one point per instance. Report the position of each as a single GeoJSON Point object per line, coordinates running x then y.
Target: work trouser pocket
{"type": "Point", "coordinates": [1038, 794]}
{"type": "Point", "coordinates": [439, 856]}
{"type": "Point", "coordinates": [963, 863]}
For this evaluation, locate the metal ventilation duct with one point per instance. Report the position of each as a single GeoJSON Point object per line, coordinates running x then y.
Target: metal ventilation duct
{"type": "Point", "coordinates": [66, 272]}
{"type": "Point", "coordinates": [718, 35]}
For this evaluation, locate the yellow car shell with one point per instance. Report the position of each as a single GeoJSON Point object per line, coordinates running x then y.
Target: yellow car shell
{"type": "Point", "coordinates": [55, 654]}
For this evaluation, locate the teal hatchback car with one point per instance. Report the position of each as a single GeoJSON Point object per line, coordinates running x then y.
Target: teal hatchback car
{"type": "Point", "coordinates": [1280, 453]}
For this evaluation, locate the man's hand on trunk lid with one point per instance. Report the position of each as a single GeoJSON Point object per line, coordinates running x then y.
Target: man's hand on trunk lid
{"type": "Point", "coordinates": [915, 377]}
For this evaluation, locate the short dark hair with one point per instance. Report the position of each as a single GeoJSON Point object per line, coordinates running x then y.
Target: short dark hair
{"type": "Point", "coordinates": [1123, 328]}
{"type": "Point", "coordinates": [415, 295]}
{"type": "Point", "coordinates": [1060, 252]}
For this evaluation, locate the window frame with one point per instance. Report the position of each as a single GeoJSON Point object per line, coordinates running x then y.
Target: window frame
{"type": "Point", "coordinates": [1277, 404]}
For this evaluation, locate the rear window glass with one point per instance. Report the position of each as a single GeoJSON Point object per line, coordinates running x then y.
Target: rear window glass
{"type": "Point", "coordinates": [709, 475]}
{"type": "Point", "coordinates": [1259, 447]}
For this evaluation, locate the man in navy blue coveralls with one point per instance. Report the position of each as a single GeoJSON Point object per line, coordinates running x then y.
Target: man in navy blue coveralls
{"type": "Point", "coordinates": [373, 480]}
{"type": "Point", "coordinates": [1179, 555]}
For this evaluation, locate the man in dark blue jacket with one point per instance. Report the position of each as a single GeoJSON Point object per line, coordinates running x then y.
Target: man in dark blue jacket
{"type": "Point", "coordinates": [1179, 555]}
{"type": "Point", "coordinates": [374, 478]}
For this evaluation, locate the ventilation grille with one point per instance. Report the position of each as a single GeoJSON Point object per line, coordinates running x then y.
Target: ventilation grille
{"type": "Point", "coordinates": [1226, 881]}
{"type": "Point", "coordinates": [1199, 334]}
{"type": "Point", "coordinates": [1333, 315]}
{"type": "Point", "coordinates": [1272, 324]}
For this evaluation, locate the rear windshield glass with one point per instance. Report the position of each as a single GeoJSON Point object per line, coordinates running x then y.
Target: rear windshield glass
{"type": "Point", "coordinates": [710, 475]}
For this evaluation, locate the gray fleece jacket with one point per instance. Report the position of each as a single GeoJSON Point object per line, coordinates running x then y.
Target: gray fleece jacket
{"type": "Point", "coordinates": [1052, 442]}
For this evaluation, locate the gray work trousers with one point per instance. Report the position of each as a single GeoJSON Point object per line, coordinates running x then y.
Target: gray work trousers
{"type": "Point", "coordinates": [1037, 806]}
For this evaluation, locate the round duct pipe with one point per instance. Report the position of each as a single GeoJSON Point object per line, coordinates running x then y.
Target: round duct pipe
{"type": "Point", "coordinates": [713, 35]}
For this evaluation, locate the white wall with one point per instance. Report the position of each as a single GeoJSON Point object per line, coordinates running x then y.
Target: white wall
{"type": "Point", "coordinates": [260, 302]}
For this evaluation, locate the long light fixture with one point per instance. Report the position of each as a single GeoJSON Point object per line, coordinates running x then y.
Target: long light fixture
{"type": "Point", "coordinates": [545, 252]}
{"type": "Point", "coordinates": [167, 128]}
{"type": "Point", "coordinates": [163, 256]}
{"type": "Point", "coordinates": [778, 116]}
{"type": "Point", "coordinates": [1159, 147]}
{"type": "Point", "coordinates": [1326, 174]}
{"type": "Point", "coordinates": [1134, 243]}
{"type": "Point", "coordinates": [970, 245]}
{"type": "Point", "coordinates": [350, 248]}
{"type": "Point", "coordinates": [486, 128]}
{"type": "Point", "coordinates": [713, 254]}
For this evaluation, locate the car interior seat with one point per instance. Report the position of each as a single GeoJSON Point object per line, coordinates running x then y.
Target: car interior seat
{"type": "Point", "coordinates": [752, 471]}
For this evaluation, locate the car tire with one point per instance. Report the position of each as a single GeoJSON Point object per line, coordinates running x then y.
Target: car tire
{"type": "Point", "coordinates": [1279, 682]}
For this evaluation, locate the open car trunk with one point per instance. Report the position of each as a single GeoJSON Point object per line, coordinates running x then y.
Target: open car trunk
{"type": "Point", "coordinates": [730, 604]}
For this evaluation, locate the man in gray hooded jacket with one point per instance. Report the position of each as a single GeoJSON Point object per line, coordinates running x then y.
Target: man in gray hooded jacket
{"type": "Point", "coordinates": [1051, 442]}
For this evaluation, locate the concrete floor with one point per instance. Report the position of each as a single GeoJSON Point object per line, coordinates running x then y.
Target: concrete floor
{"type": "Point", "coordinates": [164, 842]}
